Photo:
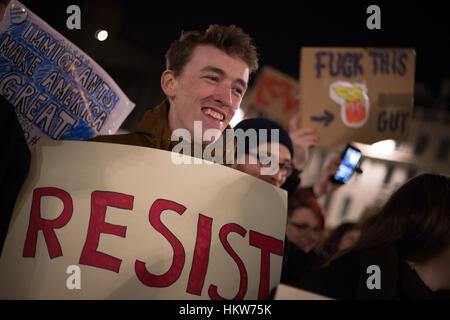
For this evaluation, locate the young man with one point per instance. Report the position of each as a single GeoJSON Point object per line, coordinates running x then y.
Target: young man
{"type": "Point", "coordinates": [206, 77]}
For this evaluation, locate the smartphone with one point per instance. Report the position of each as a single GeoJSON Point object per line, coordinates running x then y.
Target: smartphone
{"type": "Point", "coordinates": [350, 160]}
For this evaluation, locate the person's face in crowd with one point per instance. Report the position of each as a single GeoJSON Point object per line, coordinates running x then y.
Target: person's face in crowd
{"type": "Point", "coordinates": [273, 151]}
{"type": "Point", "coordinates": [349, 239]}
{"type": "Point", "coordinates": [304, 228]}
{"type": "Point", "coordinates": [209, 89]}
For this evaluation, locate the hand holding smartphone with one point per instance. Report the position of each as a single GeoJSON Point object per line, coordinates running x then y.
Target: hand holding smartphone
{"type": "Point", "coordinates": [351, 157]}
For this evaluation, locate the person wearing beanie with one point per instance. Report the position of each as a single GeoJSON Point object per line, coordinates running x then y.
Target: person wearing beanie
{"type": "Point", "coordinates": [268, 144]}
{"type": "Point", "coordinates": [299, 254]}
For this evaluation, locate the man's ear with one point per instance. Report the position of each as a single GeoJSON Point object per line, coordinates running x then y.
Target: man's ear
{"type": "Point", "coordinates": [168, 83]}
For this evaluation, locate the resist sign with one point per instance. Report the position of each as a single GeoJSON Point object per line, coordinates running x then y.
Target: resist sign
{"type": "Point", "coordinates": [140, 227]}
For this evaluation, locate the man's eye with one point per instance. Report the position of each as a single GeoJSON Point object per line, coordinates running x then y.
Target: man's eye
{"type": "Point", "coordinates": [239, 91]}
{"type": "Point", "coordinates": [212, 78]}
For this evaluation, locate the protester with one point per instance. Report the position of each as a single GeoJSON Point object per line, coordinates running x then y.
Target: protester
{"type": "Point", "coordinates": [305, 223]}
{"type": "Point", "coordinates": [306, 218]}
{"type": "Point", "coordinates": [281, 151]}
{"type": "Point", "coordinates": [403, 251]}
{"type": "Point", "coordinates": [304, 212]}
{"type": "Point", "coordinates": [206, 77]}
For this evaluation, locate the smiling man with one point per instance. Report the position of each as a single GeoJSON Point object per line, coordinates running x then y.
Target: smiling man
{"type": "Point", "coordinates": [206, 77]}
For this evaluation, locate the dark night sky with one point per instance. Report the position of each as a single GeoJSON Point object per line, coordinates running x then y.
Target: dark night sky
{"type": "Point", "coordinates": [279, 28]}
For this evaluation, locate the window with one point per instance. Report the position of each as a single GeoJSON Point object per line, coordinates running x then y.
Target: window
{"type": "Point", "coordinates": [345, 207]}
{"type": "Point", "coordinates": [399, 145]}
{"type": "Point", "coordinates": [327, 201]}
{"type": "Point", "coordinates": [443, 149]}
{"type": "Point", "coordinates": [421, 145]}
{"type": "Point", "coordinates": [411, 173]}
{"type": "Point", "coordinates": [389, 172]}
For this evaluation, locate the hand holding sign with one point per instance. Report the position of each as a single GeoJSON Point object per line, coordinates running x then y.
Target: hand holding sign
{"type": "Point", "coordinates": [302, 139]}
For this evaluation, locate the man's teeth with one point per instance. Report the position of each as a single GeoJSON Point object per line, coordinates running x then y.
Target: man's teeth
{"type": "Point", "coordinates": [214, 114]}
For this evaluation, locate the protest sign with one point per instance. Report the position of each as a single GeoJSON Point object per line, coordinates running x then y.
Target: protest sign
{"type": "Point", "coordinates": [357, 94]}
{"type": "Point", "coordinates": [57, 90]}
{"type": "Point", "coordinates": [274, 95]}
{"type": "Point", "coordinates": [105, 221]}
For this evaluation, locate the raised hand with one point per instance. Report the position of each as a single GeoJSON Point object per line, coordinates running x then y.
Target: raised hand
{"type": "Point", "coordinates": [302, 139]}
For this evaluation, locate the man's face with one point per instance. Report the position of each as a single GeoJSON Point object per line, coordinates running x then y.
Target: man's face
{"type": "Point", "coordinates": [304, 228]}
{"type": "Point", "coordinates": [209, 89]}
{"type": "Point", "coordinates": [274, 151]}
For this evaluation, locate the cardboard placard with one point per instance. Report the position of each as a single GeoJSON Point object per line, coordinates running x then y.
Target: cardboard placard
{"type": "Point", "coordinates": [357, 94]}
{"type": "Point", "coordinates": [274, 95]}
{"type": "Point", "coordinates": [124, 222]}
{"type": "Point", "coordinates": [57, 90]}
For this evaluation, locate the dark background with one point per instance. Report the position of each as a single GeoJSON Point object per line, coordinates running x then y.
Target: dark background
{"type": "Point", "coordinates": [140, 33]}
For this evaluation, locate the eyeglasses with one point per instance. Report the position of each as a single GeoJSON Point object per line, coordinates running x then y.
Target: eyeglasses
{"type": "Point", "coordinates": [286, 168]}
{"type": "Point", "coordinates": [306, 227]}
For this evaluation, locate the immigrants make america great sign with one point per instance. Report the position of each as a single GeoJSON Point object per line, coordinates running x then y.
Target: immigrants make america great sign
{"type": "Point", "coordinates": [58, 92]}
{"type": "Point", "coordinates": [357, 94]}
{"type": "Point", "coordinates": [137, 227]}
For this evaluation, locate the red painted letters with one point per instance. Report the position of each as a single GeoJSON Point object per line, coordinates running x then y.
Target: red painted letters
{"type": "Point", "coordinates": [201, 256]}
{"type": "Point", "coordinates": [224, 231]}
{"type": "Point", "coordinates": [37, 223]}
{"type": "Point", "coordinates": [267, 245]}
{"type": "Point", "coordinates": [175, 269]}
{"type": "Point", "coordinates": [99, 201]}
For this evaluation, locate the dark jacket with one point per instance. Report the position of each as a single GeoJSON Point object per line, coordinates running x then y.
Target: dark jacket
{"type": "Point", "coordinates": [14, 164]}
{"type": "Point", "coordinates": [347, 277]}
{"type": "Point", "coordinates": [296, 263]}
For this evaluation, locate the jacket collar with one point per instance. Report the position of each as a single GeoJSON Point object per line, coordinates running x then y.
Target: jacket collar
{"type": "Point", "coordinates": [155, 125]}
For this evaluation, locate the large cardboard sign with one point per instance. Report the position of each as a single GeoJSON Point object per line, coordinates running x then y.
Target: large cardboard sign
{"type": "Point", "coordinates": [274, 95]}
{"type": "Point", "coordinates": [357, 94]}
{"type": "Point", "coordinates": [105, 221]}
{"type": "Point", "coordinates": [57, 90]}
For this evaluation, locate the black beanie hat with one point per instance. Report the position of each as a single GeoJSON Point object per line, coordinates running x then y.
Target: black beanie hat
{"type": "Point", "coordinates": [264, 123]}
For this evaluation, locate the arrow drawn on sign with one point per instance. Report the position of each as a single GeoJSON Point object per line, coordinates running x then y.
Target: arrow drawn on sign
{"type": "Point", "coordinates": [326, 118]}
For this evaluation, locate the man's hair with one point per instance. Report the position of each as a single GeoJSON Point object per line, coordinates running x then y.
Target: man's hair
{"type": "Point", "coordinates": [230, 39]}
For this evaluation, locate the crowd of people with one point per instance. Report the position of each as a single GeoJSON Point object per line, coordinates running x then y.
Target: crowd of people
{"type": "Point", "coordinates": [207, 74]}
